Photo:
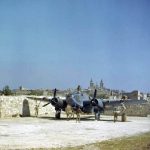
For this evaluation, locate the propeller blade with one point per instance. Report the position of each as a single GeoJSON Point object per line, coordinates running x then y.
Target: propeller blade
{"type": "Point", "coordinates": [55, 92]}
{"type": "Point", "coordinates": [94, 100]}
{"type": "Point", "coordinates": [53, 101]}
{"type": "Point", "coordinates": [95, 93]}
{"type": "Point", "coordinates": [46, 104]}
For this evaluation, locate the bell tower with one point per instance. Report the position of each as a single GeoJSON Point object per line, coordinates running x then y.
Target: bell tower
{"type": "Point", "coordinates": [91, 84]}
{"type": "Point", "coordinates": [102, 84]}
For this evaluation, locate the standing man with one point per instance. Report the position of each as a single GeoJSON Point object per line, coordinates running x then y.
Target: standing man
{"type": "Point", "coordinates": [123, 113]}
{"type": "Point", "coordinates": [36, 108]}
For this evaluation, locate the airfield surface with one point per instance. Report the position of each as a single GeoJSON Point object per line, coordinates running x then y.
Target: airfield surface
{"type": "Point", "coordinates": [45, 132]}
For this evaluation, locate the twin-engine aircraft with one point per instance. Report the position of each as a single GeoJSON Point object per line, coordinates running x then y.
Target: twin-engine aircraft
{"type": "Point", "coordinates": [81, 100]}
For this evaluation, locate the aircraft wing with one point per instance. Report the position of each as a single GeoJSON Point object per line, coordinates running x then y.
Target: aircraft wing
{"type": "Point", "coordinates": [44, 99]}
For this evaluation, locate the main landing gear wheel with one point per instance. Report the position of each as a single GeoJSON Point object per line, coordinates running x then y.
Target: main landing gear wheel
{"type": "Point", "coordinates": [57, 115]}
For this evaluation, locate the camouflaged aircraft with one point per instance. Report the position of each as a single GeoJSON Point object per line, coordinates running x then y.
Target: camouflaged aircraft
{"type": "Point", "coordinates": [81, 100]}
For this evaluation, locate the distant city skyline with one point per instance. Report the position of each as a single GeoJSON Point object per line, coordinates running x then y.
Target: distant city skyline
{"type": "Point", "coordinates": [62, 44]}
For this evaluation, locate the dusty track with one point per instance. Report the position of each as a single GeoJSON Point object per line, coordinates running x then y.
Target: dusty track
{"type": "Point", "coordinates": [21, 133]}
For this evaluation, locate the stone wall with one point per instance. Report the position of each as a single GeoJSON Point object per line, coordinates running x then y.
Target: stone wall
{"type": "Point", "coordinates": [13, 106]}
{"type": "Point", "coordinates": [134, 110]}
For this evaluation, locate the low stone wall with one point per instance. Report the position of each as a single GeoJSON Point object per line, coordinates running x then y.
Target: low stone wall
{"type": "Point", "coordinates": [13, 106]}
{"type": "Point", "coordinates": [134, 110]}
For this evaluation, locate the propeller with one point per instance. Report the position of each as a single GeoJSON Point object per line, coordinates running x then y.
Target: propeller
{"type": "Point", "coordinates": [99, 103]}
{"type": "Point", "coordinates": [94, 101]}
{"type": "Point", "coordinates": [52, 101]}
{"type": "Point", "coordinates": [46, 104]}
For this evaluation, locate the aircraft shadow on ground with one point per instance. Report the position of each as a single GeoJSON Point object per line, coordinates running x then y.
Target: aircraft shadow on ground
{"type": "Point", "coordinates": [87, 118]}
{"type": "Point", "coordinates": [63, 118]}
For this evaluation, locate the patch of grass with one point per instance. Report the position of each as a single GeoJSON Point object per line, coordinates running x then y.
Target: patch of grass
{"type": "Point", "coordinates": [138, 142]}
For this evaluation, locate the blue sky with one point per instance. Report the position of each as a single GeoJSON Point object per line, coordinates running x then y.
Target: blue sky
{"type": "Point", "coordinates": [63, 43]}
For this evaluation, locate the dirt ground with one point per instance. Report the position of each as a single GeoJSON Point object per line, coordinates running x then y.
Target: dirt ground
{"type": "Point", "coordinates": [46, 132]}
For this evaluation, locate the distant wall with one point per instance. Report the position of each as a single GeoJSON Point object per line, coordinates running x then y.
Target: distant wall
{"type": "Point", "coordinates": [134, 110]}
{"type": "Point", "coordinates": [13, 106]}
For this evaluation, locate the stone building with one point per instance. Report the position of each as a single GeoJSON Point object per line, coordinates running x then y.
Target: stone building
{"type": "Point", "coordinates": [102, 91]}
{"type": "Point", "coordinates": [136, 95]}
{"type": "Point", "coordinates": [95, 86]}
{"type": "Point", "coordinates": [92, 86]}
{"type": "Point", "coordinates": [101, 84]}
{"type": "Point", "coordinates": [115, 94]}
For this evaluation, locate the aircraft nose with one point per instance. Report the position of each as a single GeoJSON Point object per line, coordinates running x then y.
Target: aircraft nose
{"type": "Point", "coordinates": [77, 101]}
